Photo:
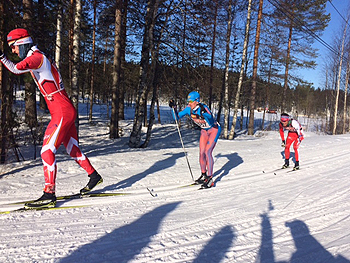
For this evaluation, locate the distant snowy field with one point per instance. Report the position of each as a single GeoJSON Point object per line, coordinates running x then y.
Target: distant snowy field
{"type": "Point", "coordinates": [255, 213]}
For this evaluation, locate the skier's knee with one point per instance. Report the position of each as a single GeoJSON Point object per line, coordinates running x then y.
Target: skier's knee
{"type": "Point", "coordinates": [48, 157]}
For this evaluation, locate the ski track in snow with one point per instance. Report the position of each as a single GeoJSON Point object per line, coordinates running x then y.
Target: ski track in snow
{"type": "Point", "coordinates": [255, 213]}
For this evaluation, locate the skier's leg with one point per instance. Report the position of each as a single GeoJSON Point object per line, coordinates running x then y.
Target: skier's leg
{"type": "Point", "coordinates": [202, 150]}
{"type": "Point", "coordinates": [50, 144]}
{"type": "Point", "coordinates": [73, 149]}
{"type": "Point", "coordinates": [209, 150]}
{"type": "Point", "coordinates": [71, 144]}
{"type": "Point", "coordinates": [296, 149]}
{"type": "Point", "coordinates": [213, 134]}
{"type": "Point", "coordinates": [296, 153]}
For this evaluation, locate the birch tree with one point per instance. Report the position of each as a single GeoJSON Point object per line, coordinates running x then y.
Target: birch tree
{"type": "Point", "coordinates": [58, 34]}
{"type": "Point", "coordinates": [255, 71]}
{"type": "Point", "coordinates": [212, 58]}
{"type": "Point", "coordinates": [75, 67]}
{"type": "Point", "coordinates": [347, 76]}
{"type": "Point", "coordinates": [224, 96]}
{"type": "Point", "coordinates": [93, 62]}
{"type": "Point", "coordinates": [338, 79]}
{"type": "Point", "coordinates": [240, 80]}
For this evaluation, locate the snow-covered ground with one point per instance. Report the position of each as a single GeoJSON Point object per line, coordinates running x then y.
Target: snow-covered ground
{"type": "Point", "coordinates": [254, 213]}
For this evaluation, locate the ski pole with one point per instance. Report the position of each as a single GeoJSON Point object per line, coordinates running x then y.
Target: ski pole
{"type": "Point", "coordinates": [182, 143]}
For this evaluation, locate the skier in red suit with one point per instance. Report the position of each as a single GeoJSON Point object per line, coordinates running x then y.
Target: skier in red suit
{"type": "Point", "coordinates": [61, 129]}
{"type": "Point", "coordinates": [295, 136]}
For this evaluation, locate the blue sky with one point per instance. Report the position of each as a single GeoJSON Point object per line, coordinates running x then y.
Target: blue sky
{"type": "Point", "coordinates": [316, 76]}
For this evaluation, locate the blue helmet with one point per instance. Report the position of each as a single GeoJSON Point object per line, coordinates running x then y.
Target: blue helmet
{"type": "Point", "coordinates": [193, 96]}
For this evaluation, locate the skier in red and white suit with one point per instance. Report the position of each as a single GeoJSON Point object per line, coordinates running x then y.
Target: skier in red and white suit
{"type": "Point", "coordinates": [61, 128]}
{"type": "Point", "coordinates": [295, 136]}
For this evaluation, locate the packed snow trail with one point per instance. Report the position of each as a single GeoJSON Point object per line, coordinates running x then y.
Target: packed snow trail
{"type": "Point", "coordinates": [248, 216]}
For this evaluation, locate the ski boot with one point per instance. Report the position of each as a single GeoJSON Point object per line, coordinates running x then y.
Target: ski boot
{"type": "Point", "coordinates": [296, 166]}
{"type": "Point", "coordinates": [95, 179]}
{"type": "Point", "coordinates": [47, 200]}
{"type": "Point", "coordinates": [201, 179]}
{"type": "Point", "coordinates": [286, 164]}
{"type": "Point", "coordinates": [208, 182]}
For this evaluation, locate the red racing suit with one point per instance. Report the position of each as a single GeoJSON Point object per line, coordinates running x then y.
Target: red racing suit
{"type": "Point", "coordinates": [295, 136]}
{"type": "Point", "coordinates": [61, 128]}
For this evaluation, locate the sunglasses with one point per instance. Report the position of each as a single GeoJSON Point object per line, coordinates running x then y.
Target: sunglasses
{"type": "Point", "coordinates": [284, 119]}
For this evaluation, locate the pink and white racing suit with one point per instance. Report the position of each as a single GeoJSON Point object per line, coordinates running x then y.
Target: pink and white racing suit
{"type": "Point", "coordinates": [61, 128]}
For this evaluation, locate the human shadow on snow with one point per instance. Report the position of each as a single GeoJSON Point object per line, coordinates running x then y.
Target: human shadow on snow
{"type": "Point", "coordinates": [233, 161]}
{"type": "Point", "coordinates": [217, 247]}
{"type": "Point", "coordinates": [308, 249]}
{"type": "Point", "coordinates": [158, 166]}
{"type": "Point", "coordinates": [124, 243]}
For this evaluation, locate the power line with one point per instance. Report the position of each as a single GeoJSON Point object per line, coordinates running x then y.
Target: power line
{"type": "Point", "coordinates": [302, 25]}
{"type": "Point", "coordinates": [346, 20]}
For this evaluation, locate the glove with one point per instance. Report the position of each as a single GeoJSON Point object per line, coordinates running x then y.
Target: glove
{"type": "Point", "coordinates": [283, 144]}
{"type": "Point", "coordinates": [172, 103]}
{"type": "Point", "coordinates": [300, 138]}
{"type": "Point", "coordinates": [1, 54]}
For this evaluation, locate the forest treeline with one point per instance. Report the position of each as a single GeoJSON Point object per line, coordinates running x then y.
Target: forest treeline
{"type": "Point", "coordinates": [236, 53]}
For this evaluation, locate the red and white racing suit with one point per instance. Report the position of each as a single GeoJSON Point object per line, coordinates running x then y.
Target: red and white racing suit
{"type": "Point", "coordinates": [295, 135]}
{"type": "Point", "coordinates": [61, 128]}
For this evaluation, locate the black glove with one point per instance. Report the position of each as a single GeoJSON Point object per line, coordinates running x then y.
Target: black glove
{"type": "Point", "coordinates": [172, 103]}
{"type": "Point", "coordinates": [1, 54]}
{"type": "Point", "coordinates": [283, 143]}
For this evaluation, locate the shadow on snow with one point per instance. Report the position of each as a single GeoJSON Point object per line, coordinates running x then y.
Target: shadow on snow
{"type": "Point", "coordinates": [308, 249]}
{"type": "Point", "coordinates": [125, 243]}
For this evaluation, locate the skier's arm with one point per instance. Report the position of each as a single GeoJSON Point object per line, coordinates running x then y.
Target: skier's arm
{"type": "Point", "coordinates": [281, 131]}
{"type": "Point", "coordinates": [204, 111]}
{"type": "Point", "coordinates": [33, 61]}
{"type": "Point", "coordinates": [296, 125]}
{"type": "Point", "coordinates": [12, 67]}
{"type": "Point", "coordinates": [185, 111]}
{"type": "Point", "coordinates": [178, 115]}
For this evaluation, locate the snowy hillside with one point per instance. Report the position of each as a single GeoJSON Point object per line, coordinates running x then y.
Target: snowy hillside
{"type": "Point", "coordinates": [254, 213]}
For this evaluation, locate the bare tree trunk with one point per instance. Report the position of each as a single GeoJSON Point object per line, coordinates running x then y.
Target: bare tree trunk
{"type": "Point", "coordinates": [123, 62]}
{"type": "Point", "coordinates": [70, 47]}
{"type": "Point", "coordinates": [75, 69]}
{"type": "Point", "coordinates": [153, 79]}
{"type": "Point", "coordinates": [225, 92]}
{"type": "Point", "coordinates": [92, 64]}
{"type": "Point", "coordinates": [240, 80]}
{"type": "Point", "coordinates": [4, 109]}
{"type": "Point", "coordinates": [113, 129]}
{"type": "Point", "coordinates": [144, 85]}
{"type": "Point", "coordinates": [255, 71]}
{"type": "Point", "coordinates": [58, 35]}
{"type": "Point", "coordinates": [151, 114]}
{"type": "Point", "coordinates": [346, 94]}
{"type": "Point", "coordinates": [104, 73]}
{"type": "Point", "coordinates": [158, 110]}
{"type": "Point", "coordinates": [211, 78]}
{"type": "Point", "coordinates": [30, 89]}
{"type": "Point", "coordinates": [338, 81]}
{"type": "Point", "coordinates": [286, 72]}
